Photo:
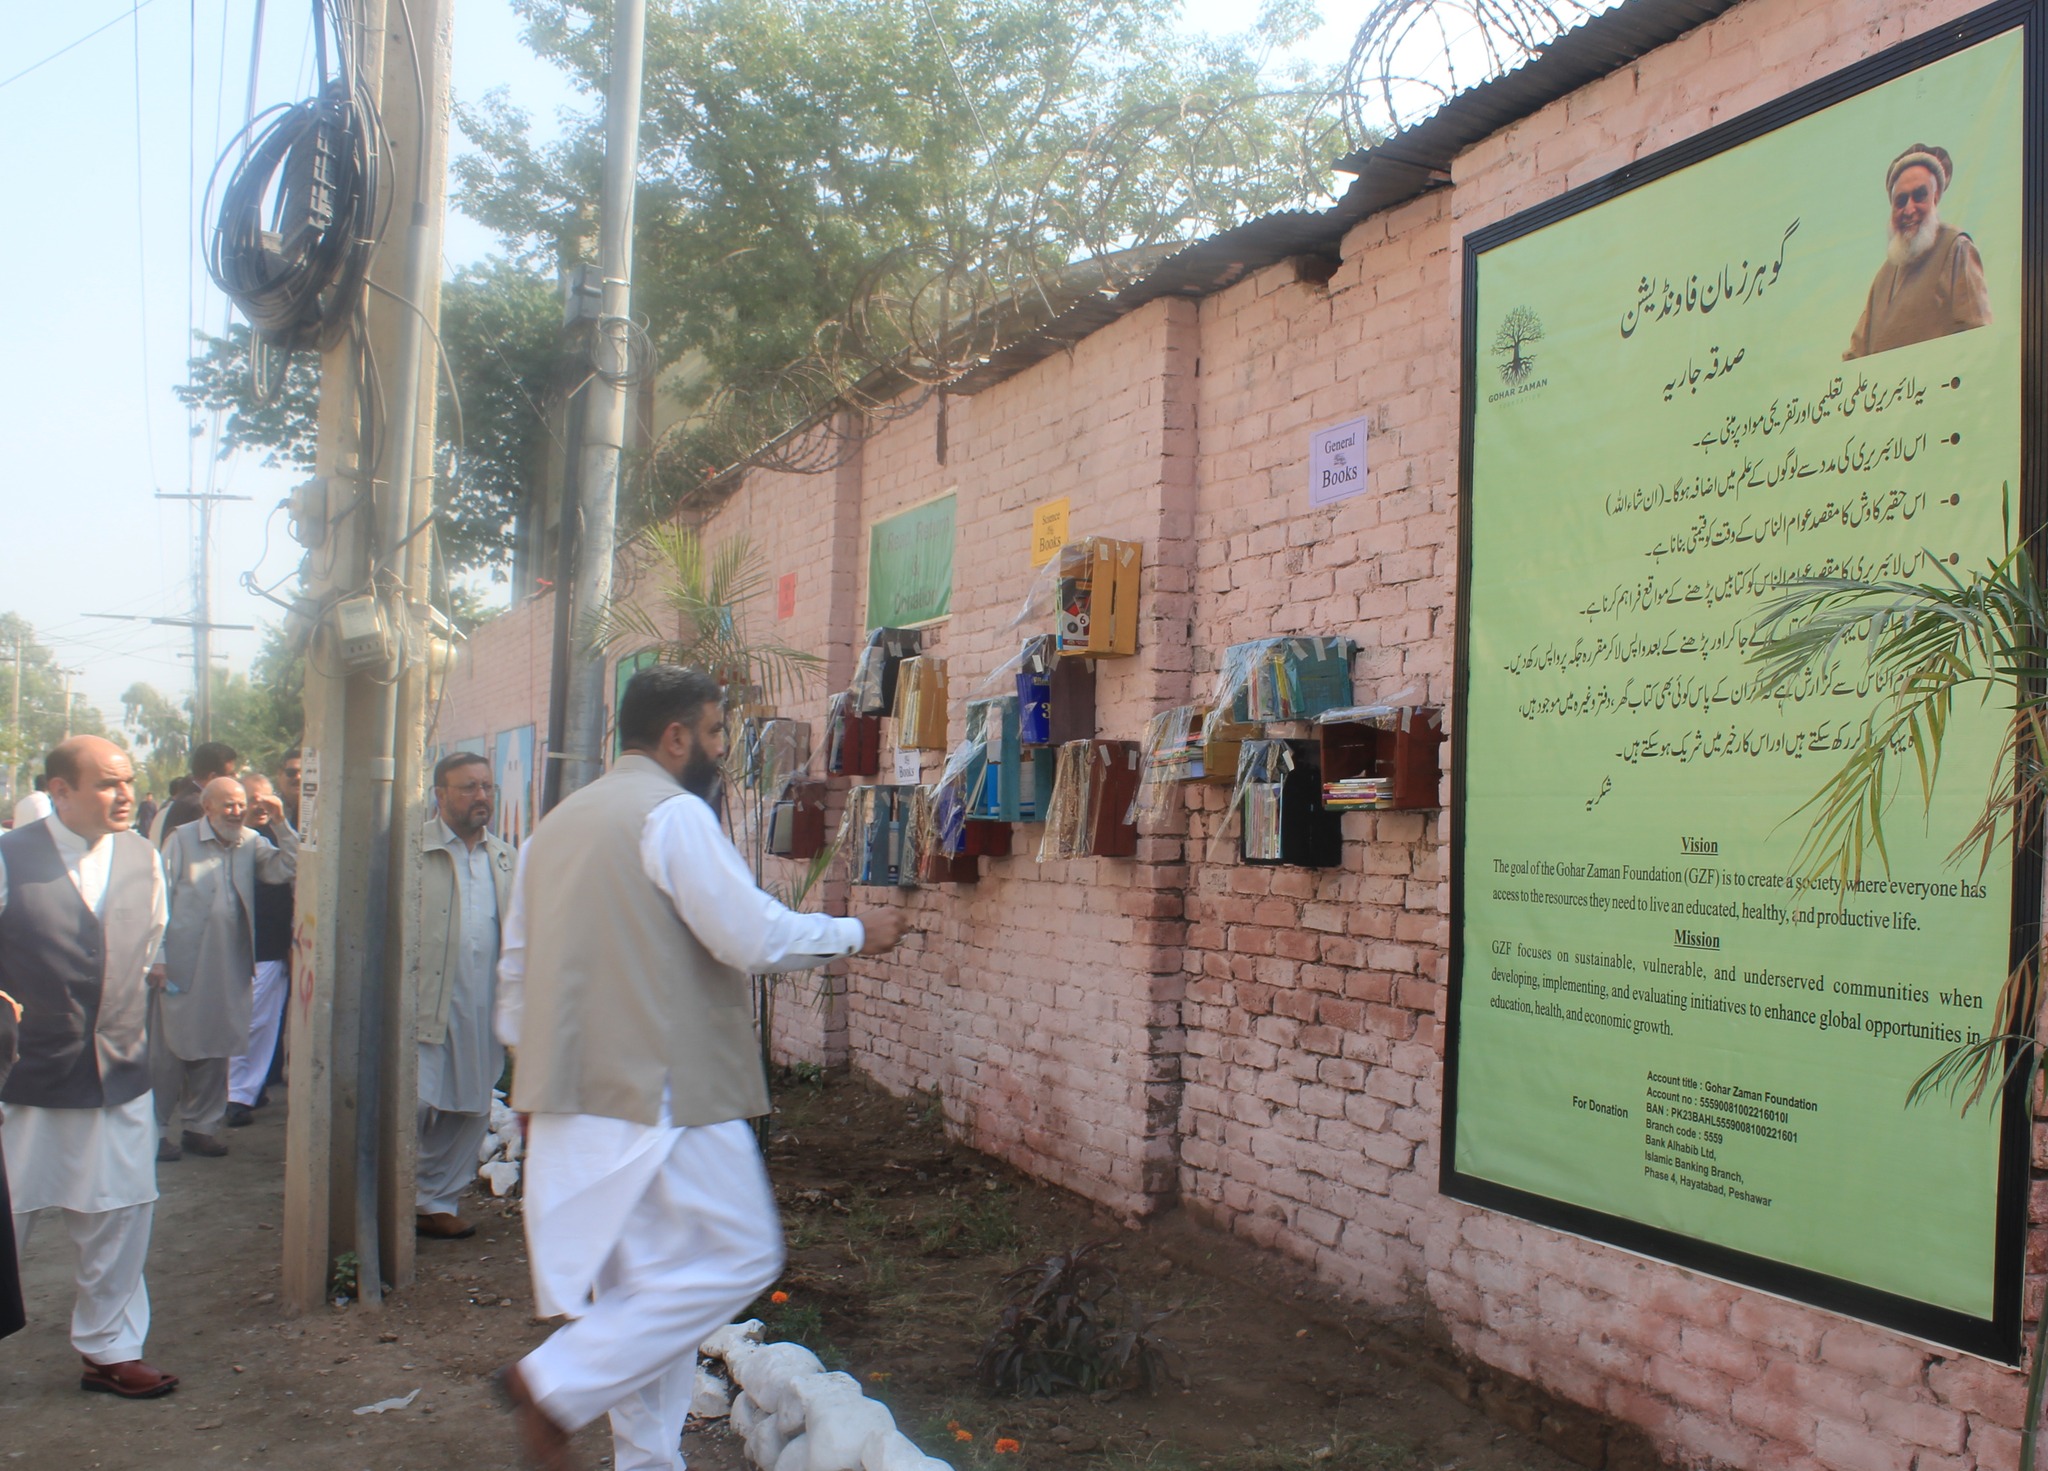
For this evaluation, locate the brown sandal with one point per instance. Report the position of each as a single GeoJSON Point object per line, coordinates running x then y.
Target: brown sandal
{"type": "Point", "coordinates": [131, 1379]}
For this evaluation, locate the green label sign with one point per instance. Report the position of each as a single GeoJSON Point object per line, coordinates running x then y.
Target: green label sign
{"type": "Point", "coordinates": [910, 566]}
{"type": "Point", "coordinates": [1681, 396]}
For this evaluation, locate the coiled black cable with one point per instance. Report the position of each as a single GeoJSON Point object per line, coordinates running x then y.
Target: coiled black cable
{"type": "Point", "coordinates": [297, 217]}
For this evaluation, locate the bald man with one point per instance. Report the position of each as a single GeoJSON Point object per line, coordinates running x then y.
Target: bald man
{"type": "Point", "coordinates": [203, 995]}
{"type": "Point", "coordinates": [82, 912]}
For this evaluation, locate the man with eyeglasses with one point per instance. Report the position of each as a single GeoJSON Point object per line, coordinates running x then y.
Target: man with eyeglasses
{"type": "Point", "coordinates": [465, 892]}
{"type": "Point", "coordinates": [1932, 281]}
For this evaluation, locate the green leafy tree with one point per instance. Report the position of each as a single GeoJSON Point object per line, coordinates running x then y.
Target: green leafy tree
{"type": "Point", "coordinates": [42, 691]}
{"type": "Point", "coordinates": [828, 186]}
{"type": "Point", "coordinates": [161, 732]}
{"type": "Point", "coordinates": [262, 714]}
{"type": "Point", "coordinates": [501, 330]}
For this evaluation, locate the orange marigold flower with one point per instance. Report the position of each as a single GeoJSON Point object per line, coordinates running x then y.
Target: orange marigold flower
{"type": "Point", "coordinates": [959, 1434]}
{"type": "Point", "coordinates": [1006, 1445]}
{"type": "Point", "coordinates": [778, 1297]}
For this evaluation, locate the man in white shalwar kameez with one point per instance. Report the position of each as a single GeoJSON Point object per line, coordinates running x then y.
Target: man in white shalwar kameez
{"type": "Point", "coordinates": [465, 891]}
{"type": "Point", "coordinates": [82, 911]}
{"type": "Point", "coordinates": [623, 990]}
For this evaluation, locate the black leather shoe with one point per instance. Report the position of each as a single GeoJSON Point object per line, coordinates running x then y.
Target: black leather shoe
{"type": "Point", "coordinates": [168, 1153]}
{"type": "Point", "coordinates": [239, 1116]}
{"type": "Point", "coordinates": [204, 1145]}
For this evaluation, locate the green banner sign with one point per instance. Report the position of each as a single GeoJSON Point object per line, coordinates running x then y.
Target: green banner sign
{"type": "Point", "coordinates": [1793, 351]}
{"type": "Point", "coordinates": [910, 566]}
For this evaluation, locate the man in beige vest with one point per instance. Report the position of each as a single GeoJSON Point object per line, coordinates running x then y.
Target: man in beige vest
{"type": "Point", "coordinates": [1932, 281]}
{"type": "Point", "coordinates": [623, 989]}
{"type": "Point", "coordinates": [465, 892]}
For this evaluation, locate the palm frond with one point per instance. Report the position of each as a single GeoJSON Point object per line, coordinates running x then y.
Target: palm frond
{"type": "Point", "coordinates": [700, 617]}
{"type": "Point", "coordinates": [1924, 643]}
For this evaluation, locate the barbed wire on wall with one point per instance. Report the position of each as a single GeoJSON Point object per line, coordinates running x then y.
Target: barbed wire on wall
{"type": "Point", "coordinates": [1412, 56]}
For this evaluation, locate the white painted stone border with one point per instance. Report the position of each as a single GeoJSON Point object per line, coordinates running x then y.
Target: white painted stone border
{"type": "Point", "coordinates": [794, 1416]}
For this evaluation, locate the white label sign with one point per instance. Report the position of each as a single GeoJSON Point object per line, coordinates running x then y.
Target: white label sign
{"type": "Point", "coordinates": [1336, 462]}
{"type": "Point", "coordinates": [908, 768]}
{"type": "Point", "coordinates": [309, 801]}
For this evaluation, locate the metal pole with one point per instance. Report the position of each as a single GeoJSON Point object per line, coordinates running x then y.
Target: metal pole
{"type": "Point", "coordinates": [605, 396]}
{"type": "Point", "coordinates": [565, 580]}
{"type": "Point", "coordinates": [202, 632]}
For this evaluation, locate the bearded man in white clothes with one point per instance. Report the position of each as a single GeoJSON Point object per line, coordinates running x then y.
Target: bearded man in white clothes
{"type": "Point", "coordinates": [623, 989]}
{"type": "Point", "coordinates": [82, 911]}
{"type": "Point", "coordinates": [205, 995]}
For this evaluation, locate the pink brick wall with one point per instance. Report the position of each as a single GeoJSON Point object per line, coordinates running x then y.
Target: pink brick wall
{"type": "Point", "coordinates": [1264, 1047]}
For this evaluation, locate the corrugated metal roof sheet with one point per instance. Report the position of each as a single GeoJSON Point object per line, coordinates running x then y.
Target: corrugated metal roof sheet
{"type": "Point", "coordinates": [1410, 163]}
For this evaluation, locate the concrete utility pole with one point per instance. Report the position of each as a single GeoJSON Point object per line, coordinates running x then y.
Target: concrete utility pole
{"type": "Point", "coordinates": [351, 1138]}
{"type": "Point", "coordinates": [69, 675]}
{"type": "Point", "coordinates": [202, 625]}
{"type": "Point", "coordinates": [604, 425]}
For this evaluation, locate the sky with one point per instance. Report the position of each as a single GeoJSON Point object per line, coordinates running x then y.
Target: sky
{"type": "Point", "coordinates": [109, 147]}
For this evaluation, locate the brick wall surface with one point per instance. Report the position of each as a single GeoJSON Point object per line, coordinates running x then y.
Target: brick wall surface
{"type": "Point", "coordinates": [1263, 1047]}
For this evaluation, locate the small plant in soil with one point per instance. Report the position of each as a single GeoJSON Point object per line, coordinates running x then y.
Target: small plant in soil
{"type": "Point", "coordinates": [983, 1227]}
{"type": "Point", "coordinates": [341, 1278]}
{"type": "Point", "coordinates": [1070, 1325]}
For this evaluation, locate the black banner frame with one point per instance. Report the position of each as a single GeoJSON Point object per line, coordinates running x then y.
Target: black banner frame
{"type": "Point", "coordinates": [1999, 1337]}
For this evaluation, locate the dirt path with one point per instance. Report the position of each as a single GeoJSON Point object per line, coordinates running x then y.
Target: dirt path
{"type": "Point", "coordinates": [898, 1244]}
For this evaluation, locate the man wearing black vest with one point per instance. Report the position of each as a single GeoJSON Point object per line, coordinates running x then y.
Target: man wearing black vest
{"type": "Point", "coordinates": [82, 912]}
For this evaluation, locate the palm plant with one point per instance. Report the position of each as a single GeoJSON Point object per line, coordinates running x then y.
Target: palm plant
{"type": "Point", "coordinates": [700, 617]}
{"type": "Point", "coordinates": [1926, 645]}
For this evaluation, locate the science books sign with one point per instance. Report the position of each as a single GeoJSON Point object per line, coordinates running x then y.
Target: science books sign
{"type": "Point", "coordinates": [1788, 348]}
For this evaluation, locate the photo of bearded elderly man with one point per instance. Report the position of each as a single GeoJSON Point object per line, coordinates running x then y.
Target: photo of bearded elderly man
{"type": "Point", "coordinates": [1932, 279]}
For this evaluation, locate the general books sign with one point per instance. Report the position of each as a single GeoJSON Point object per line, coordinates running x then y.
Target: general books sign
{"type": "Point", "coordinates": [1686, 386]}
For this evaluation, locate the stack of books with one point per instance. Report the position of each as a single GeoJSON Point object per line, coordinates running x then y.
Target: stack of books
{"type": "Point", "coordinates": [1262, 822]}
{"type": "Point", "coordinates": [1358, 794]}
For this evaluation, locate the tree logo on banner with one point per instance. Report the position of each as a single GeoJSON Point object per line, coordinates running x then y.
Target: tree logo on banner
{"type": "Point", "coordinates": [1517, 330]}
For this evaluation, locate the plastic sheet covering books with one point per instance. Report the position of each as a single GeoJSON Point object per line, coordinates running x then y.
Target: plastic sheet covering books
{"type": "Point", "coordinates": [776, 749]}
{"type": "Point", "coordinates": [853, 742]}
{"type": "Point", "coordinates": [1171, 753]}
{"type": "Point", "coordinates": [1035, 664]}
{"type": "Point", "coordinates": [1098, 597]}
{"type": "Point", "coordinates": [874, 678]}
{"type": "Point", "coordinates": [877, 833]}
{"type": "Point", "coordinates": [1089, 595]}
{"type": "Point", "coordinates": [920, 708]}
{"type": "Point", "coordinates": [1088, 814]}
{"type": "Point", "coordinates": [1260, 764]}
{"type": "Point", "coordinates": [1295, 678]}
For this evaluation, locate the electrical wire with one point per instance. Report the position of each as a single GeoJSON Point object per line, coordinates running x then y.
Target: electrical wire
{"type": "Point", "coordinates": [73, 46]}
{"type": "Point", "coordinates": [141, 258]}
{"type": "Point", "coordinates": [298, 213]}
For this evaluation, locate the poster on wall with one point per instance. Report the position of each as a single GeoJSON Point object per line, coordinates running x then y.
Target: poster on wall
{"type": "Point", "coordinates": [910, 566]}
{"type": "Point", "coordinates": [622, 674]}
{"type": "Point", "coordinates": [1788, 348]}
{"type": "Point", "coordinates": [512, 770]}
